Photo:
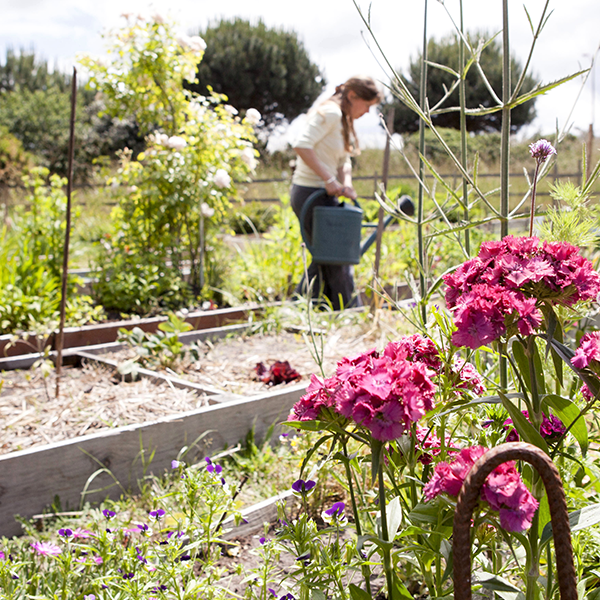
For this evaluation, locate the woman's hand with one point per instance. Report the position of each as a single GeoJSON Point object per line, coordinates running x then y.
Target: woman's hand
{"type": "Point", "coordinates": [334, 188]}
{"type": "Point", "coordinates": [349, 192]}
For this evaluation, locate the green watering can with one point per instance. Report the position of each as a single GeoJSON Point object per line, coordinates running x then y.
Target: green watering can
{"type": "Point", "coordinates": [336, 230]}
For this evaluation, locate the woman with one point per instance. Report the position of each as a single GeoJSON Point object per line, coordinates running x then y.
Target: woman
{"type": "Point", "coordinates": [324, 148]}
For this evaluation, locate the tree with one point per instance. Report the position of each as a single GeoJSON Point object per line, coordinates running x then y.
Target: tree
{"type": "Point", "coordinates": [26, 71]}
{"type": "Point", "coordinates": [35, 108]}
{"type": "Point", "coordinates": [445, 52]}
{"type": "Point", "coordinates": [258, 67]}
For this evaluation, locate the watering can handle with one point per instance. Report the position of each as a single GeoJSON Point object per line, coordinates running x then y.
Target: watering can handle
{"type": "Point", "coordinates": [304, 213]}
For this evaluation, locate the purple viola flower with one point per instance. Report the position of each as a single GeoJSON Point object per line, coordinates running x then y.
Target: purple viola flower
{"type": "Point", "coordinates": [541, 150]}
{"type": "Point", "coordinates": [262, 540]}
{"type": "Point", "coordinates": [272, 592]}
{"type": "Point", "coordinates": [109, 514]}
{"type": "Point", "coordinates": [184, 557]}
{"type": "Point", "coordinates": [336, 510]}
{"type": "Point", "coordinates": [65, 532]}
{"type": "Point", "coordinates": [213, 468]}
{"type": "Point", "coordinates": [175, 464]}
{"type": "Point", "coordinates": [303, 487]}
{"type": "Point", "coordinates": [143, 528]}
{"type": "Point", "coordinates": [157, 514]}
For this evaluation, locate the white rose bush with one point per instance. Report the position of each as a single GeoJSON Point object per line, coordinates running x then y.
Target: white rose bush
{"type": "Point", "coordinates": [172, 197]}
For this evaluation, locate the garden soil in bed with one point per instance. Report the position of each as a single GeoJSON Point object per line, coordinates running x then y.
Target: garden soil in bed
{"type": "Point", "coordinates": [93, 397]}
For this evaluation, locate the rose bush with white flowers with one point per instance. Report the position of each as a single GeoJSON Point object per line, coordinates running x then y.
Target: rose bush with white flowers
{"type": "Point", "coordinates": [172, 197]}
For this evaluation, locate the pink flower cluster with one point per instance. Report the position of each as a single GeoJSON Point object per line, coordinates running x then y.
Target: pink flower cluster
{"type": "Point", "coordinates": [551, 428]}
{"type": "Point", "coordinates": [503, 490]}
{"type": "Point", "coordinates": [463, 375]}
{"type": "Point", "coordinates": [384, 393]}
{"type": "Point", "coordinates": [588, 355]}
{"type": "Point", "coordinates": [499, 292]}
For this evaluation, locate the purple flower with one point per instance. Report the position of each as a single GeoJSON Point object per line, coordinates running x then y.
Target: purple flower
{"type": "Point", "coordinates": [336, 510]}
{"type": "Point", "coordinates": [175, 464]}
{"type": "Point", "coordinates": [157, 514]}
{"type": "Point", "coordinates": [89, 597]}
{"type": "Point", "coordinates": [66, 532]}
{"type": "Point", "coordinates": [272, 592]}
{"type": "Point", "coordinates": [2, 555]}
{"type": "Point", "coordinates": [212, 468]}
{"type": "Point", "coordinates": [46, 548]}
{"type": "Point", "coordinates": [262, 540]}
{"type": "Point", "coordinates": [143, 527]}
{"type": "Point", "coordinates": [303, 487]}
{"type": "Point", "coordinates": [109, 514]}
{"type": "Point", "coordinates": [184, 557]}
{"type": "Point", "coordinates": [541, 150]}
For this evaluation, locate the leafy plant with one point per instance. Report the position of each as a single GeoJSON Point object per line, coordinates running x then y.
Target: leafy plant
{"type": "Point", "coordinates": [162, 348]}
{"type": "Point", "coordinates": [172, 198]}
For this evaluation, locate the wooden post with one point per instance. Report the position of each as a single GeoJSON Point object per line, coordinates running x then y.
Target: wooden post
{"type": "Point", "coordinates": [65, 273]}
{"type": "Point", "coordinates": [381, 215]}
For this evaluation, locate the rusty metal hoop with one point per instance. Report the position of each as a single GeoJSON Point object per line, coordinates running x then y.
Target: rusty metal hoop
{"type": "Point", "coordinates": [470, 494]}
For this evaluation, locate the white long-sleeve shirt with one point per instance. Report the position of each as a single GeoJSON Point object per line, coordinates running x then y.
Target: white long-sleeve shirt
{"type": "Point", "coordinates": [323, 133]}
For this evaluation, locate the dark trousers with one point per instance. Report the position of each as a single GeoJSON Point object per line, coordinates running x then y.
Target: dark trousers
{"type": "Point", "coordinates": [335, 282]}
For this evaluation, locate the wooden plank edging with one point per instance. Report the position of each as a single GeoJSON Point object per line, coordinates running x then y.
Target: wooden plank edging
{"type": "Point", "coordinates": [30, 479]}
{"type": "Point", "coordinates": [25, 361]}
{"type": "Point", "coordinates": [103, 333]}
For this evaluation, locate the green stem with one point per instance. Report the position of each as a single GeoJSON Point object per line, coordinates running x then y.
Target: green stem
{"type": "Point", "coordinates": [366, 572]}
{"type": "Point", "coordinates": [420, 207]}
{"type": "Point", "coordinates": [463, 132]}
{"type": "Point", "coordinates": [533, 190]}
{"type": "Point", "coordinates": [505, 132]}
{"type": "Point", "coordinates": [387, 563]}
{"type": "Point", "coordinates": [533, 564]}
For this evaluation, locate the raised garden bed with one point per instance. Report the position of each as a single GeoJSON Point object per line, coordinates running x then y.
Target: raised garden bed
{"type": "Point", "coordinates": [52, 446]}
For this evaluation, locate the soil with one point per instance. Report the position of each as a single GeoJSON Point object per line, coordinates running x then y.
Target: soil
{"type": "Point", "coordinates": [94, 397]}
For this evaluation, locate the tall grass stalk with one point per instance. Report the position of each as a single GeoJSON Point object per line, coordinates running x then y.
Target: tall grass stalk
{"type": "Point", "coordinates": [504, 156]}
{"type": "Point", "coordinates": [421, 200]}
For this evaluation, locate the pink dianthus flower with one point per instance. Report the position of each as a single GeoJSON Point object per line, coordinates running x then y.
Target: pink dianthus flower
{"type": "Point", "coordinates": [503, 490]}
{"type": "Point", "coordinates": [500, 292]}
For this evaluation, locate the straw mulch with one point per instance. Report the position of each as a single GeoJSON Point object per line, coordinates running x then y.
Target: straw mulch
{"type": "Point", "coordinates": [94, 397]}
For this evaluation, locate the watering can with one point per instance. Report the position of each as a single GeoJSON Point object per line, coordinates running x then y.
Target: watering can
{"type": "Point", "coordinates": [336, 230]}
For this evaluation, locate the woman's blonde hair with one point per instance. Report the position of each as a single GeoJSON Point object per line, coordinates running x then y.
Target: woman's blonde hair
{"type": "Point", "coordinates": [366, 89]}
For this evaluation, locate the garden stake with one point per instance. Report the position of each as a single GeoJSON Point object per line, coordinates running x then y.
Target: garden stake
{"type": "Point", "coordinates": [469, 498]}
{"type": "Point", "coordinates": [65, 273]}
{"type": "Point", "coordinates": [380, 215]}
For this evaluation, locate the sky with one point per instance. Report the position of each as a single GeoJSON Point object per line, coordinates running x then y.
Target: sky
{"type": "Point", "coordinates": [337, 39]}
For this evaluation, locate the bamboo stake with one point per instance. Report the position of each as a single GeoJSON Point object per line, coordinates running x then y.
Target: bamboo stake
{"type": "Point", "coordinates": [65, 273]}
{"type": "Point", "coordinates": [381, 213]}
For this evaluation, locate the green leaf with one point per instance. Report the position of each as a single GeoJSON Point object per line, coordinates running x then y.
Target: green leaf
{"type": "Point", "coordinates": [578, 520]}
{"type": "Point", "coordinates": [524, 428]}
{"type": "Point", "coordinates": [539, 370]}
{"type": "Point", "coordinates": [424, 513]}
{"type": "Point", "coordinates": [400, 588]}
{"type": "Point", "coordinates": [495, 583]}
{"type": "Point", "coordinates": [357, 594]}
{"type": "Point", "coordinates": [394, 517]}
{"type": "Point", "coordinates": [307, 425]}
{"type": "Point", "coordinates": [544, 514]}
{"type": "Point", "coordinates": [518, 352]}
{"type": "Point", "coordinates": [568, 412]}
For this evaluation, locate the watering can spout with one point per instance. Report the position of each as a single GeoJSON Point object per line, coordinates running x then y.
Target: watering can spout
{"type": "Point", "coordinates": [405, 205]}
